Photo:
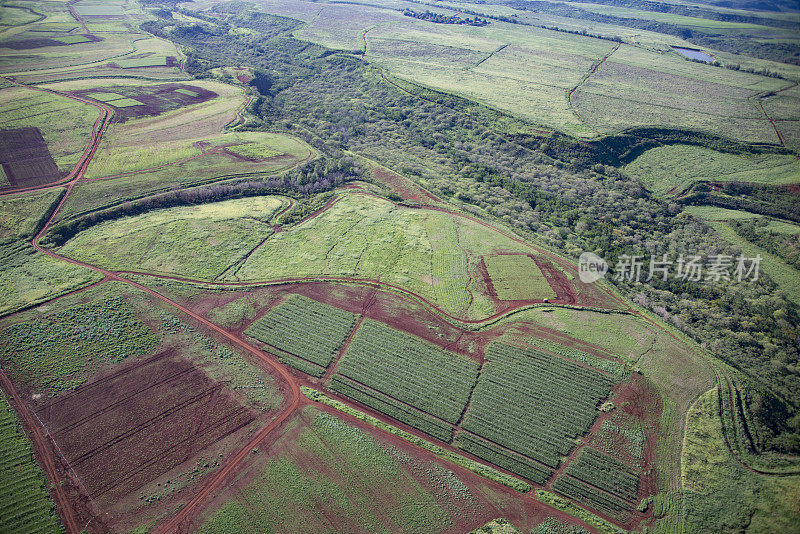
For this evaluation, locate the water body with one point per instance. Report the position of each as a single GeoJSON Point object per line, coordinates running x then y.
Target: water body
{"type": "Point", "coordinates": [694, 54]}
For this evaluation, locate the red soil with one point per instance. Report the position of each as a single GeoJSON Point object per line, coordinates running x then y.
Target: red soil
{"type": "Point", "coordinates": [26, 159]}
{"type": "Point", "coordinates": [125, 429]}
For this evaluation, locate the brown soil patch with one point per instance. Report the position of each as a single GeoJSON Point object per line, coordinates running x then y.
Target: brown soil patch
{"type": "Point", "coordinates": [155, 99]}
{"type": "Point", "coordinates": [25, 158]}
{"type": "Point", "coordinates": [122, 430]}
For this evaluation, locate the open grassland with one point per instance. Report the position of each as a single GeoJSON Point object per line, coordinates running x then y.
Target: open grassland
{"type": "Point", "coordinates": [29, 277]}
{"type": "Point", "coordinates": [636, 86]}
{"type": "Point", "coordinates": [533, 404]}
{"type": "Point", "coordinates": [21, 214]}
{"type": "Point", "coordinates": [305, 329]}
{"type": "Point", "coordinates": [115, 158]}
{"type": "Point", "coordinates": [65, 124]}
{"type": "Point", "coordinates": [517, 277]}
{"type": "Point", "coordinates": [324, 475]}
{"type": "Point", "coordinates": [782, 274]}
{"type": "Point", "coordinates": [430, 253]}
{"type": "Point", "coordinates": [673, 168]}
{"type": "Point", "coordinates": [26, 504]}
{"type": "Point", "coordinates": [55, 351]}
{"type": "Point", "coordinates": [198, 241]}
{"type": "Point", "coordinates": [401, 371]}
{"type": "Point", "coordinates": [754, 502]}
{"type": "Point", "coordinates": [713, 213]}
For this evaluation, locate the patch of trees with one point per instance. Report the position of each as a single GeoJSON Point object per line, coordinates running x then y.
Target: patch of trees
{"type": "Point", "coordinates": [782, 202]}
{"type": "Point", "coordinates": [438, 18]}
{"type": "Point", "coordinates": [785, 246]}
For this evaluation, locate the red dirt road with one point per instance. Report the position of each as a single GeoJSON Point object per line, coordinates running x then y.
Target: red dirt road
{"type": "Point", "coordinates": [43, 453]}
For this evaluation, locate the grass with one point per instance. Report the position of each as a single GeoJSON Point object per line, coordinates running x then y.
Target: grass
{"type": "Point", "coordinates": [334, 477]}
{"type": "Point", "coordinates": [517, 277]}
{"type": "Point", "coordinates": [115, 157]}
{"type": "Point", "coordinates": [756, 502]}
{"type": "Point", "coordinates": [55, 351]}
{"type": "Point", "coordinates": [430, 253]}
{"type": "Point", "coordinates": [21, 214]}
{"type": "Point", "coordinates": [29, 278]}
{"type": "Point", "coordinates": [197, 241]}
{"type": "Point", "coordinates": [304, 328]}
{"type": "Point", "coordinates": [781, 273]}
{"type": "Point", "coordinates": [66, 124]}
{"type": "Point", "coordinates": [713, 213]}
{"type": "Point", "coordinates": [410, 370]}
{"type": "Point", "coordinates": [26, 503]}
{"type": "Point", "coordinates": [534, 403]}
{"type": "Point", "coordinates": [462, 461]}
{"type": "Point", "coordinates": [676, 167]}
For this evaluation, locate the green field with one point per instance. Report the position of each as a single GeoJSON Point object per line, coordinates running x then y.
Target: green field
{"type": "Point", "coordinates": [329, 476]}
{"type": "Point", "coordinates": [674, 168]}
{"type": "Point", "coordinates": [197, 241]}
{"type": "Point", "coordinates": [410, 370]}
{"type": "Point", "coordinates": [304, 328]}
{"type": "Point", "coordinates": [55, 351]}
{"type": "Point", "coordinates": [21, 215]}
{"type": "Point", "coordinates": [782, 274]}
{"type": "Point", "coordinates": [66, 124]}
{"type": "Point", "coordinates": [533, 403]}
{"type": "Point", "coordinates": [517, 277]}
{"type": "Point", "coordinates": [430, 253]}
{"type": "Point", "coordinates": [26, 503]}
{"type": "Point", "coordinates": [592, 471]}
{"type": "Point", "coordinates": [759, 503]}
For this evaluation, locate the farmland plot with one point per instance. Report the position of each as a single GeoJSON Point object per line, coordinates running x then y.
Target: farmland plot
{"type": "Point", "coordinates": [408, 374]}
{"type": "Point", "coordinates": [533, 404]}
{"type": "Point", "coordinates": [305, 329]}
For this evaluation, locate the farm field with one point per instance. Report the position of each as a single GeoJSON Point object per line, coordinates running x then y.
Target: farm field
{"type": "Point", "coordinates": [305, 329]}
{"type": "Point", "coordinates": [220, 233]}
{"type": "Point", "coordinates": [672, 169]}
{"type": "Point", "coordinates": [23, 486]}
{"type": "Point", "coordinates": [321, 266]}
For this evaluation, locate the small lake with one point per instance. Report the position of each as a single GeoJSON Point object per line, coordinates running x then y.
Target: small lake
{"type": "Point", "coordinates": [694, 54]}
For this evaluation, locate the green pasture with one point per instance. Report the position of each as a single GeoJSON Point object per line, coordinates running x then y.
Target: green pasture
{"type": "Point", "coordinates": [676, 167]}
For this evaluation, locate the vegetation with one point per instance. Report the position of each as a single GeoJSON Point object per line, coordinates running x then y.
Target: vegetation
{"type": "Point", "coordinates": [472, 465]}
{"type": "Point", "coordinates": [198, 241]}
{"type": "Point", "coordinates": [410, 370]}
{"type": "Point", "coordinates": [26, 503]}
{"type": "Point", "coordinates": [534, 403]}
{"type": "Point", "coordinates": [517, 277]}
{"type": "Point", "coordinates": [756, 502]}
{"type": "Point", "coordinates": [593, 520]}
{"type": "Point", "coordinates": [351, 481]}
{"type": "Point", "coordinates": [304, 328]}
{"type": "Point", "coordinates": [674, 168]}
{"type": "Point", "coordinates": [606, 473]}
{"type": "Point", "coordinates": [56, 351]}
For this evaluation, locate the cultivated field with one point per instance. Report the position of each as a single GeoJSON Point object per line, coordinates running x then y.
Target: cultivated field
{"type": "Point", "coordinates": [674, 168]}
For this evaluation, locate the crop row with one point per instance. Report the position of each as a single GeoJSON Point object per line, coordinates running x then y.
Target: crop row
{"type": "Point", "coordinates": [611, 366]}
{"type": "Point", "coordinates": [592, 497]}
{"type": "Point", "coordinates": [414, 418]}
{"type": "Point", "coordinates": [409, 369]}
{"type": "Point", "coordinates": [302, 365]}
{"type": "Point", "coordinates": [494, 454]}
{"type": "Point", "coordinates": [305, 328]}
{"type": "Point", "coordinates": [25, 505]}
{"type": "Point", "coordinates": [606, 473]}
{"type": "Point", "coordinates": [534, 403]}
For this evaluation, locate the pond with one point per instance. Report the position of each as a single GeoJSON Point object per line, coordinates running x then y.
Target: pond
{"type": "Point", "coordinates": [691, 53]}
